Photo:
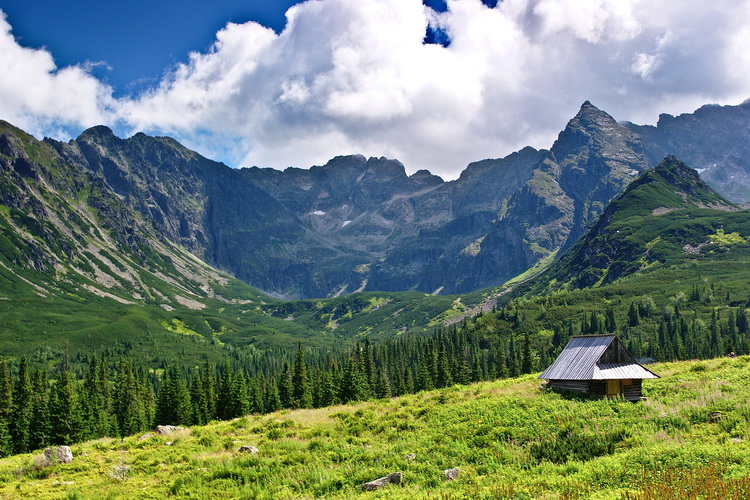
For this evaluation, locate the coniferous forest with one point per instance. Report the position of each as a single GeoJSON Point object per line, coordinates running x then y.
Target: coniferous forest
{"type": "Point", "coordinates": [87, 396]}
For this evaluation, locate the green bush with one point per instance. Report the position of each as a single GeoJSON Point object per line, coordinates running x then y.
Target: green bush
{"type": "Point", "coordinates": [575, 446]}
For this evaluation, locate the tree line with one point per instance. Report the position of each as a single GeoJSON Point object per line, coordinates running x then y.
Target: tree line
{"type": "Point", "coordinates": [99, 397]}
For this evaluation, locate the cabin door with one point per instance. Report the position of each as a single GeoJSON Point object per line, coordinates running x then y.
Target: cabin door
{"type": "Point", "coordinates": [614, 388]}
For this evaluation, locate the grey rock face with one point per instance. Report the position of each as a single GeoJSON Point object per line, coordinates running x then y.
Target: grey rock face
{"type": "Point", "coordinates": [592, 160]}
{"type": "Point", "coordinates": [714, 139]}
{"type": "Point", "coordinates": [352, 224]}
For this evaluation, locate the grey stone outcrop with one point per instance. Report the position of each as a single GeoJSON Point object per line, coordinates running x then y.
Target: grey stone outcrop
{"type": "Point", "coordinates": [393, 478]}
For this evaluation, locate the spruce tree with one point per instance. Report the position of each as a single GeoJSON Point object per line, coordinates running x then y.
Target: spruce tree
{"type": "Point", "coordinates": [460, 370]}
{"type": "Point", "coordinates": [95, 404]}
{"type": "Point", "coordinates": [444, 378]}
{"type": "Point", "coordinates": [424, 377]}
{"type": "Point", "coordinates": [526, 366]}
{"type": "Point", "coordinates": [239, 405]}
{"type": "Point", "coordinates": [634, 317]}
{"type": "Point", "coordinates": [476, 368]}
{"type": "Point", "coordinates": [501, 365]}
{"type": "Point", "coordinates": [22, 409]}
{"type": "Point", "coordinates": [106, 394]}
{"type": "Point", "coordinates": [368, 367]}
{"type": "Point", "coordinates": [257, 403]}
{"type": "Point", "coordinates": [513, 365]}
{"type": "Point", "coordinates": [353, 384]}
{"type": "Point", "coordinates": [408, 381]}
{"type": "Point", "coordinates": [301, 391]}
{"type": "Point", "coordinates": [147, 400]}
{"type": "Point", "coordinates": [286, 390]}
{"type": "Point", "coordinates": [173, 400]}
{"type": "Point", "coordinates": [382, 386]}
{"type": "Point", "coordinates": [6, 409]}
{"type": "Point", "coordinates": [329, 391]}
{"type": "Point", "coordinates": [431, 361]}
{"type": "Point", "coordinates": [611, 323]}
{"type": "Point", "coordinates": [224, 392]}
{"type": "Point", "coordinates": [594, 327]}
{"type": "Point", "coordinates": [742, 323]}
{"type": "Point", "coordinates": [273, 400]}
{"type": "Point", "coordinates": [209, 394]}
{"type": "Point", "coordinates": [197, 401]}
{"type": "Point", "coordinates": [132, 401]}
{"type": "Point", "coordinates": [66, 415]}
{"type": "Point", "coordinates": [41, 431]}
{"type": "Point", "coordinates": [165, 401]}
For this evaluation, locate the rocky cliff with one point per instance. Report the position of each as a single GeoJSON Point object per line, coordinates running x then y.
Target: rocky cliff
{"type": "Point", "coordinates": [592, 160]}
{"type": "Point", "coordinates": [714, 139]}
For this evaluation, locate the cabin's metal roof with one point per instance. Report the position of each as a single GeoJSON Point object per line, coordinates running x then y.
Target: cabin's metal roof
{"type": "Point", "coordinates": [609, 371]}
{"type": "Point", "coordinates": [580, 361]}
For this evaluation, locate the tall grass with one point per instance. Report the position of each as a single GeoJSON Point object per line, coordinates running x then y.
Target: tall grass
{"type": "Point", "coordinates": [510, 440]}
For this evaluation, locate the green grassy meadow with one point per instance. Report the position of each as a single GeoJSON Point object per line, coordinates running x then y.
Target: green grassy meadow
{"type": "Point", "coordinates": [689, 439]}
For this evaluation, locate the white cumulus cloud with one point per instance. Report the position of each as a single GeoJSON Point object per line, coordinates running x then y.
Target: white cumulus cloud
{"type": "Point", "coordinates": [43, 99]}
{"type": "Point", "coordinates": [355, 77]}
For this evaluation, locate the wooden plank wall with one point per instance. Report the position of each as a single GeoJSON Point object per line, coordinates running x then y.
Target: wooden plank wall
{"type": "Point", "coordinates": [634, 391]}
{"type": "Point", "coordinates": [570, 385]}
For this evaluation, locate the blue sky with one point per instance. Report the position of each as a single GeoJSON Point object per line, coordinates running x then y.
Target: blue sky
{"type": "Point", "coordinates": [282, 84]}
{"type": "Point", "coordinates": [136, 40]}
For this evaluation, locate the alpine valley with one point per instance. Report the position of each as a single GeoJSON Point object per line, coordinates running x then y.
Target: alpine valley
{"type": "Point", "coordinates": [127, 240]}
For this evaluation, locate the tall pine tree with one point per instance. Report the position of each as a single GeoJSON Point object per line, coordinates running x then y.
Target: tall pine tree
{"type": "Point", "coordinates": [301, 391]}
{"type": "Point", "coordinates": [6, 409]}
{"type": "Point", "coordinates": [22, 409]}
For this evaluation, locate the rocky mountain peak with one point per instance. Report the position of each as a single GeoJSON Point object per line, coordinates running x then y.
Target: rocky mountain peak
{"type": "Point", "coordinates": [596, 131]}
{"type": "Point", "coordinates": [682, 183]}
{"type": "Point", "coordinates": [97, 133]}
{"type": "Point", "coordinates": [590, 119]}
{"type": "Point", "coordinates": [678, 174]}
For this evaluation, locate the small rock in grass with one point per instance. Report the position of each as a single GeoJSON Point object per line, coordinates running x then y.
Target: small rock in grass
{"type": "Point", "coordinates": [59, 453]}
{"type": "Point", "coordinates": [248, 449]}
{"type": "Point", "coordinates": [145, 436]}
{"type": "Point", "coordinates": [394, 478]}
{"type": "Point", "coordinates": [411, 457]}
{"type": "Point", "coordinates": [451, 474]}
{"type": "Point", "coordinates": [163, 430]}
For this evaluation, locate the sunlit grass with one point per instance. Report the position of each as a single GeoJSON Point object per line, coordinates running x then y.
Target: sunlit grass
{"type": "Point", "coordinates": [510, 440]}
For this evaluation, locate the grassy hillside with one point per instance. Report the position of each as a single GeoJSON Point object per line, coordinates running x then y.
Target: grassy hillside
{"type": "Point", "coordinates": [509, 439]}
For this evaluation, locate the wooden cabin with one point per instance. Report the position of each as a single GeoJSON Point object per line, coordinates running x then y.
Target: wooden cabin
{"type": "Point", "coordinates": [598, 365]}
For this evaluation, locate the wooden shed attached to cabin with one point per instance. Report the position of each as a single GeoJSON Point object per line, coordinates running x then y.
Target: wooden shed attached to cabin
{"type": "Point", "coordinates": [598, 365]}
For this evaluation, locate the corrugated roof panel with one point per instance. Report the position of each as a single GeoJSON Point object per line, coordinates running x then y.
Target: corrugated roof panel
{"type": "Point", "coordinates": [578, 359]}
{"type": "Point", "coordinates": [610, 371]}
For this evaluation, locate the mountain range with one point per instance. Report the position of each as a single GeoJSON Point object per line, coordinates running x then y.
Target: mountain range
{"type": "Point", "coordinates": [358, 224]}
